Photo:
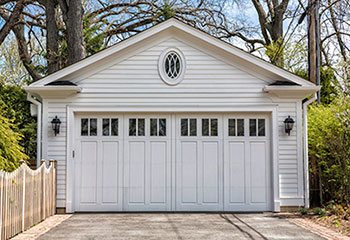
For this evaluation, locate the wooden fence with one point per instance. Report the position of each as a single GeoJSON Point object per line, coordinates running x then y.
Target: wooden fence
{"type": "Point", "coordinates": [26, 197]}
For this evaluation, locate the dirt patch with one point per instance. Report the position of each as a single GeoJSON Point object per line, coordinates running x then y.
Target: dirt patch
{"type": "Point", "coordinates": [333, 222]}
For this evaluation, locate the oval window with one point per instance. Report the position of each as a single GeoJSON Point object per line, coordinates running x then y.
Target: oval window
{"type": "Point", "coordinates": [171, 66]}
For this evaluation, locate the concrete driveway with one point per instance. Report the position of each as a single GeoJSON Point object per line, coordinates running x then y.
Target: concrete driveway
{"type": "Point", "coordinates": [177, 226]}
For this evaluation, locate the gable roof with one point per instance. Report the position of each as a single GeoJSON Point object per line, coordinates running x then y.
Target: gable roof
{"type": "Point", "coordinates": [172, 23]}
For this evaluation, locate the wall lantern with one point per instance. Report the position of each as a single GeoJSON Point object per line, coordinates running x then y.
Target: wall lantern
{"type": "Point", "coordinates": [288, 124]}
{"type": "Point", "coordinates": [56, 122]}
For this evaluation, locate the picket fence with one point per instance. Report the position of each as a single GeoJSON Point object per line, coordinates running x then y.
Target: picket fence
{"type": "Point", "coordinates": [26, 197]}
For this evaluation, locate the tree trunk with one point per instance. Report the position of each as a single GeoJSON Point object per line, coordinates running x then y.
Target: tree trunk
{"type": "Point", "coordinates": [11, 20]}
{"type": "Point", "coordinates": [75, 39]}
{"type": "Point", "coordinates": [52, 36]}
{"type": "Point", "coordinates": [23, 51]}
{"type": "Point", "coordinates": [271, 25]}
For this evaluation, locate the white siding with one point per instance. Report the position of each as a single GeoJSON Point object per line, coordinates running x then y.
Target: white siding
{"type": "Point", "coordinates": [208, 81]}
{"type": "Point", "coordinates": [288, 153]}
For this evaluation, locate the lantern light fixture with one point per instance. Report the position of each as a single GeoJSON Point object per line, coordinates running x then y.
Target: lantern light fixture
{"type": "Point", "coordinates": [56, 122]}
{"type": "Point", "coordinates": [288, 124]}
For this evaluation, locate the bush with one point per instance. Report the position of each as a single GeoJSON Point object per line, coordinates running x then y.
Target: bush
{"type": "Point", "coordinates": [319, 211]}
{"type": "Point", "coordinates": [329, 141]}
{"type": "Point", "coordinates": [303, 211]}
{"type": "Point", "coordinates": [10, 150]}
{"type": "Point", "coordinates": [16, 107]}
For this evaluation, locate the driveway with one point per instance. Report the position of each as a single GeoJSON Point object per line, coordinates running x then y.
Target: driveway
{"type": "Point", "coordinates": [177, 226]}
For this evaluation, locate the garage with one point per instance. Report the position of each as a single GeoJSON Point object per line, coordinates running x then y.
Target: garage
{"type": "Point", "coordinates": [173, 119]}
{"type": "Point", "coordinates": [172, 162]}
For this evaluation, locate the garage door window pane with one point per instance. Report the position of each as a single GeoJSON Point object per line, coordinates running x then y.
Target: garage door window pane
{"type": "Point", "coordinates": [162, 127]}
{"type": "Point", "coordinates": [193, 127]}
{"type": "Point", "coordinates": [105, 127]}
{"type": "Point", "coordinates": [141, 127]}
{"type": "Point", "coordinates": [84, 127]}
{"type": "Point", "coordinates": [261, 127]}
{"type": "Point", "coordinates": [132, 127]}
{"type": "Point", "coordinates": [252, 127]}
{"type": "Point", "coordinates": [153, 127]}
{"type": "Point", "coordinates": [232, 127]}
{"type": "Point", "coordinates": [240, 127]}
{"type": "Point", "coordinates": [214, 127]}
{"type": "Point", "coordinates": [184, 127]}
{"type": "Point", "coordinates": [93, 127]}
{"type": "Point", "coordinates": [115, 126]}
{"type": "Point", "coordinates": [205, 127]}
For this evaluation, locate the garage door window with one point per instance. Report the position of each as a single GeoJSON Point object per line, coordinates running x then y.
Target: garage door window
{"type": "Point", "coordinates": [158, 127]}
{"type": "Point", "coordinates": [110, 127]}
{"type": "Point", "coordinates": [257, 127]}
{"type": "Point", "coordinates": [209, 129]}
{"type": "Point", "coordinates": [136, 127]}
{"type": "Point", "coordinates": [235, 127]}
{"type": "Point", "coordinates": [188, 127]}
{"type": "Point", "coordinates": [88, 127]}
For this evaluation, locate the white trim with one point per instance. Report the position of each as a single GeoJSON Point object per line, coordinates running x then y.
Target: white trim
{"type": "Point", "coordinates": [176, 24]}
{"type": "Point", "coordinates": [53, 91]}
{"type": "Point", "coordinates": [70, 161]}
{"type": "Point", "coordinates": [38, 128]}
{"type": "Point", "coordinates": [275, 160]}
{"type": "Point", "coordinates": [272, 109]}
{"type": "Point", "coordinates": [292, 91]}
{"type": "Point", "coordinates": [299, 134]}
{"type": "Point", "coordinates": [161, 69]}
{"type": "Point", "coordinates": [306, 151]}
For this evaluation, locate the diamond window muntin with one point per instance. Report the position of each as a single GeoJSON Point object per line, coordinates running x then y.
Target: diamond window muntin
{"type": "Point", "coordinates": [172, 65]}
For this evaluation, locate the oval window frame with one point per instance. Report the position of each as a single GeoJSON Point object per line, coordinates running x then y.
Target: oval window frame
{"type": "Point", "coordinates": [161, 66]}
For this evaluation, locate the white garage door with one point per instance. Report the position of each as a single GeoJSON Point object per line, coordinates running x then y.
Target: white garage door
{"type": "Point", "coordinates": [183, 162]}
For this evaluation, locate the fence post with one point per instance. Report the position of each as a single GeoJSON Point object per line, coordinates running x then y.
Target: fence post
{"type": "Point", "coordinates": [43, 164]}
{"type": "Point", "coordinates": [24, 193]}
{"type": "Point", "coordinates": [54, 184]}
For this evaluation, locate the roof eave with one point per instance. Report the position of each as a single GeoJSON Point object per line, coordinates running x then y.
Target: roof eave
{"type": "Point", "coordinates": [53, 91]}
{"type": "Point", "coordinates": [292, 91]}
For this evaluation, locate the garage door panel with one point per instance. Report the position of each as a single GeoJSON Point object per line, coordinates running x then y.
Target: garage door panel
{"type": "Point", "coordinates": [136, 176]}
{"type": "Point", "coordinates": [258, 172]}
{"type": "Point", "coordinates": [236, 172]}
{"type": "Point", "coordinates": [188, 172]}
{"type": "Point", "coordinates": [110, 172]}
{"type": "Point", "coordinates": [158, 172]}
{"type": "Point", "coordinates": [211, 172]}
{"type": "Point", "coordinates": [88, 170]}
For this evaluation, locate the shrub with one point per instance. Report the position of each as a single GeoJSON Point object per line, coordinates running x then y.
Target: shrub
{"type": "Point", "coordinates": [329, 141]}
{"type": "Point", "coordinates": [10, 150]}
{"type": "Point", "coordinates": [303, 211]}
{"type": "Point", "coordinates": [319, 211]}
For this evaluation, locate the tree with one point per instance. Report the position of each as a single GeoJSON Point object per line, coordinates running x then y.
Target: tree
{"type": "Point", "coordinates": [329, 84]}
{"type": "Point", "coordinates": [12, 20]}
{"type": "Point", "coordinates": [17, 108]}
{"type": "Point", "coordinates": [10, 150]}
{"type": "Point", "coordinates": [329, 141]}
{"type": "Point", "coordinates": [63, 23]}
{"type": "Point", "coordinates": [73, 17]}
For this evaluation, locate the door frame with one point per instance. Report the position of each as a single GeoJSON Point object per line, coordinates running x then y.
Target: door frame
{"type": "Point", "coordinates": [74, 109]}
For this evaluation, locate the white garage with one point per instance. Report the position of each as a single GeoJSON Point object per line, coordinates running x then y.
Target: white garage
{"type": "Point", "coordinates": [173, 119]}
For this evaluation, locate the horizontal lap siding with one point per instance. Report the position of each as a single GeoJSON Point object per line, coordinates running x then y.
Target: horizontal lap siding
{"type": "Point", "coordinates": [288, 153]}
{"type": "Point", "coordinates": [207, 81]}
{"type": "Point", "coordinates": [56, 145]}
